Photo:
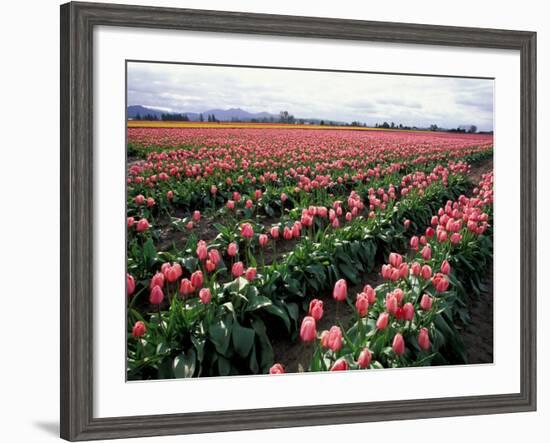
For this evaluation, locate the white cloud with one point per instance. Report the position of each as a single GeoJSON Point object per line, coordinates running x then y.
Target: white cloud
{"type": "Point", "coordinates": [371, 98]}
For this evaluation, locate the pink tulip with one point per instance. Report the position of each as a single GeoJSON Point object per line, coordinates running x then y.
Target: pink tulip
{"type": "Point", "coordinates": [364, 359]}
{"type": "Point", "coordinates": [156, 296]}
{"type": "Point", "coordinates": [247, 231]}
{"type": "Point", "coordinates": [426, 253]}
{"type": "Point", "coordinates": [237, 269]}
{"type": "Point", "coordinates": [202, 251]}
{"type": "Point", "coordinates": [340, 291]}
{"type": "Point", "coordinates": [383, 320]}
{"type": "Point", "coordinates": [277, 368]}
{"type": "Point", "coordinates": [424, 339]}
{"type": "Point", "coordinates": [130, 222]}
{"type": "Point", "coordinates": [334, 340]}
{"type": "Point", "coordinates": [190, 225]}
{"type": "Point", "coordinates": [130, 285]}
{"type": "Point", "coordinates": [440, 282]}
{"type": "Point", "coordinates": [139, 199]}
{"type": "Point", "coordinates": [210, 266]}
{"type": "Point", "coordinates": [406, 224]}
{"type": "Point", "coordinates": [230, 204]}
{"type": "Point", "coordinates": [186, 287]}
{"type": "Point", "coordinates": [250, 274]}
{"type": "Point", "coordinates": [232, 249]}
{"type": "Point", "coordinates": [139, 329]}
{"type": "Point", "coordinates": [456, 238]}
{"type": "Point", "coordinates": [287, 233]}
{"type": "Point", "coordinates": [391, 303]}
{"type": "Point", "coordinates": [214, 256]}
{"type": "Point", "coordinates": [414, 243]}
{"type": "Point", "coordinates": [283, 197]}
{"type": "Point", "coordinates": [371, 294]}
{"type": "Point", "coordinates": [197, 279]}
{"type": "Point", "coordinates": [274, 231]}
{"type": "Point", "coordinates": [308, 330]}
{"type": "Point", "coordinates": [142, 225]}
{"type": "Point", "coordinates": [398, 344]}
{"type": "Point", "coordinates": [340, 365]}
{"type": "Point", "coordinates": [426, 302]}
{"type": "Point", "coordinates": [316, 309]}
{"type": "Point", "coordinates": [150, 202]}
{"type": "Point", "coordinates": [426, 272]}
{"type": "Point", "coordinates": [157, 280]}
{"type": "Point", "coordinates": [416, 268]}
{"type": "Point", "coordinates": [205, 296]}
{"type": "Point", "coordinates": [213, 189]}
{"type": "Point", "coordinates": [263, 239]}
{"type": "Point", "coordinates": [408, 311]}
{"type": "Point", "coordinates": [395, 259]}
{"type": "Point", "coordinates": [445, 267]}
{"type": "Point", "coordinates": [362, 304]}
{"type": "Point", "coordinates": [441, 236]}
{"type": "Point", "coordinates": [430, 232]}
{"type": "Point", "coordinates": [170, 195]}
{"type": "Point", "coordinates": [197, 216]}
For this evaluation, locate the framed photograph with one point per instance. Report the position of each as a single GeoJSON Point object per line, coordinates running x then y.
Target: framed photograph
{"type": "Point", "coordinates": [272, 221]}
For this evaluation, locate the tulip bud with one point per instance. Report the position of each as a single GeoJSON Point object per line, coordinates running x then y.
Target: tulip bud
{"type": "Point", "coordinates": [247, 231]}
{"type": "Point", "coordinates": [142, 225]}
{"type": "Point", "coordinates": [424, 339]}
{"type": "Point", "coordinates": [130, 284]}
{"type": "Point", "coordinates": [232, 249]}
{"type": "Point", "coordinates": [362, 304]}
{"type": "Point", "coordinates": [205, 296]}
{"type": "Point", "coordinates": [316, 309]}
{"type": "Point", "coordinates": [277, 368]}
{"type": "Point", "coordinates": [139, 329]}
{"type": "Point", "coordinates": [445, 267]}
{"type": "Point", "coordinates": [426, 272]}
{"type": "Point", "coordinates": [426, 253]}
{"type": "Point", "coordinates": [371, 293]}
{"type": "Point", "coordinates": [308, 331]}
{"type": "Point", "coordinates": [186, 287]}
{"type": "Point", "coordinates": [340, 365]}
{"type": "Point", "coordinates": [197, 279]}
{"type": "Point", "coordinates": [340, 290]}
{"type": "Point", "coordinates": [237, 269]}
{"type": "Point", "coordinates": [274, 231]}
{"type": "Point", "coordinates": [334, 340]}
{"type": "Point", "coordinates": [408, 311]}
{"type": "Point", "coordinates": [250, 274]}
{"type": "Point", "coordinates": [364, 359]}
{"type": "Point", "coordinates": [426, 302]}
{"type": "Point", "coordinates": [383, 320]}
{"type": "Point", "coordinates": [262, 239]}
{"type": "Point", "coordinates": [395, 259]}
{"type": "Point", "coordinates": [398, 345]}
{"type": "Point", "coordinates": [156, 296]}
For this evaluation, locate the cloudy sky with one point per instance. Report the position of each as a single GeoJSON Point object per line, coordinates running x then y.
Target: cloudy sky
{"type": "Point", "coordinates": [371, 98]}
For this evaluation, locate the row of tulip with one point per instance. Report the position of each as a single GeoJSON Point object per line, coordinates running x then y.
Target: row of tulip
{"type": "Point", "coordinates": [204, 327]}
{"type": "Point", "coordinates": [409, 320]}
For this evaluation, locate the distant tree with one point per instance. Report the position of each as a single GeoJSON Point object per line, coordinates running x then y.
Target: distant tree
{"type": "Point", "coordinates": [385, 125]}
{"type": "Point", "coordinates": [322, 123]}
{"type": "Point", "coordinates": [472, 129]}
{"type": "Point", "coordinates": [392, 125]}
{"type": "Point", "coordinates": [201, 118]}
{"type": "Point", "coordinates": [433, 127]}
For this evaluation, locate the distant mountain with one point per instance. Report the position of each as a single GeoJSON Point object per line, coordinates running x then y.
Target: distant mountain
{"type": "Point", "coordinates": [220, 114]}
{"type": "Point", "coordinates": [135, 110]}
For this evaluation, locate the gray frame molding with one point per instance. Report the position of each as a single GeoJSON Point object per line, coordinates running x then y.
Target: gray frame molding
{"type": "Point", "coordinates": [77, 23]}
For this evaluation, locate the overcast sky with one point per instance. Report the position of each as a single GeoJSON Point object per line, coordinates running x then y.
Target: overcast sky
{"type": "Point", "coordinates": [371, 98]}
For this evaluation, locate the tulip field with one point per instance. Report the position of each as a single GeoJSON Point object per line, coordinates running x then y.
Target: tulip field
{"type": "Point", "coordinates": [265, 250]}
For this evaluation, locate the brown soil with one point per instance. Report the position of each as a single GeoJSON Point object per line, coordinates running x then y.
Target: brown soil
{"type": "Point", "coordinates": [479, 168]}
{"type": "Point", "coordinates": [478, 335]}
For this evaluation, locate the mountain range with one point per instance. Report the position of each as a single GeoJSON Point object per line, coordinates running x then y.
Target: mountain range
{"type": "Point", "coordinates": [219, 114]}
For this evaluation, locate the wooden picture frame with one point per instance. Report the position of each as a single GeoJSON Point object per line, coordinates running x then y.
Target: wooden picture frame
{"type": "Point", "coordinates": [77, 23]}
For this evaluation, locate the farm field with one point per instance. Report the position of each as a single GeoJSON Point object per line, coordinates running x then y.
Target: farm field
{"type": "Point", "coordinates": [283, 249]}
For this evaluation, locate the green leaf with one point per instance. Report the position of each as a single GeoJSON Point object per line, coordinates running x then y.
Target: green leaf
{"type": "Point", "coordinates": [220, 335]}
{"type": "Point", "coordinates": [243, 339]}
{"type": "Point", "coordinates": [184, 364]}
